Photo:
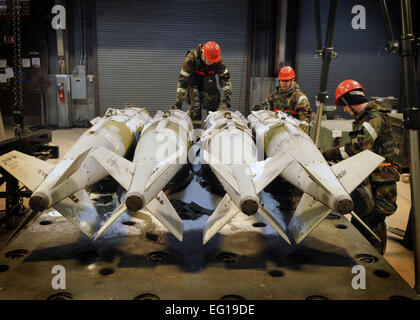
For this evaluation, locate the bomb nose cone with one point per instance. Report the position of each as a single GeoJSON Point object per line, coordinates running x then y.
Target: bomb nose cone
{"type": "Point", "coordinates": [249, 205]}
{"type": "Point", "coordinates": [343, 205]}
{"type": "Point", "coordinates": [38, 202]}
{"type": "Point", "coordinates": [134, 202]}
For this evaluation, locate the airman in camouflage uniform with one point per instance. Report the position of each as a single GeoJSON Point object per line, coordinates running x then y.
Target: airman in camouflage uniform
{"type": "Point", "coordinates": [197, 80]}
{"type": "Point", "coordinates": [375, 199]}
{"type": "Point", "coordinates": [289, 98]}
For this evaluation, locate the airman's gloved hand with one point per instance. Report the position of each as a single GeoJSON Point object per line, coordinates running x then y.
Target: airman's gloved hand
{"type": "Point", "coordinates": [333, 154]}
{"type": "Point", "coordinates": [227, 102]}
{"type": "Point", "coordinates": [304, 126]}
{"type": "Point", "coordinates": [388, 149]}
{"type": "Point", "coordinates": [177, 105]}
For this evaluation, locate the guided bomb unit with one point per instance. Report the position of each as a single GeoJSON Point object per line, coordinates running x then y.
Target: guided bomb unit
{"type": "Point", "coordinates": [233, 151]}
{"type": "Point", "coordinates": [300, 162]}
{"type": "Point", "coordinates": [160, 153]}
{"type": "Point", "coordinates": [62, 186]}
{"type": "Point", "coordinates": [230, 151]}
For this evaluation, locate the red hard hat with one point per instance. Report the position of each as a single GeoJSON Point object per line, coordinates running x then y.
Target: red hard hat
{"type": "Point", "coordinates": [212, 51]}
{"type": "Point", "coordinates": [286, 73]}
{"type": "Point", "coordinates": [344, 87]}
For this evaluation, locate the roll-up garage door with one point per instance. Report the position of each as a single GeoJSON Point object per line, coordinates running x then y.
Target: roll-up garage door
{"type": "Point", "coordinates": [141, 46]}
{"type": "Point", "coordinates": [361, 54]}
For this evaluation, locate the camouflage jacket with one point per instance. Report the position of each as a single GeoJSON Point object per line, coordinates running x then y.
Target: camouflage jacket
{"type": "Point", "coordinates": [371, 131]}
{"type": "Point", "coordinates": [292, 99]}
{"type": "Point", "coordinates": [194, 70]}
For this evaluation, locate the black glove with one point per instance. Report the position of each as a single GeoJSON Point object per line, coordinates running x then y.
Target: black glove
{"type": "Point", "coordinates": [332, 154]}
{"type": "Point", "coordinates": [177, 105]}
{"type": "Point", "coordinates": [227, 102]}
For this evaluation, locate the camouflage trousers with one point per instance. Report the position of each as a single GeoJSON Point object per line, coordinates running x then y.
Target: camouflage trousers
{"type": "Point", "coordinates": [373, 202]}
{"type": "Point", "coordinates": [207, 101]}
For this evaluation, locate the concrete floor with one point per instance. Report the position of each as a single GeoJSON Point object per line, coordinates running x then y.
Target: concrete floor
{"type": "Point", "coordinates": [400, 258]}
{"type": "Point", "coordinates": [396, 254]}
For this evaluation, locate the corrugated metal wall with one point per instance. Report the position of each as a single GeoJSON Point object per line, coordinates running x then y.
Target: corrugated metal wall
{"type": "Point", "coordinates": [141, 46]}
{"type": "Point", "coordinates": [81, 44]}
{"type": "Point", "coordinates": [264, 32]}
{"type": "Point", "coordinates": [263, 83]}
{"type": "Point", "coordinates": [361, 54]}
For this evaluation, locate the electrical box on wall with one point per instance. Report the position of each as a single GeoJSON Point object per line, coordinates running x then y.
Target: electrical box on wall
{"type": "Point", "coordinates": [78, 83]}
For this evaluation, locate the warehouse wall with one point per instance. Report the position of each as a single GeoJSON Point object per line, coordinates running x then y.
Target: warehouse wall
{"type": "Point", "coordinates": [141, 46]}
{"type": "Point", "coordinates": [361, 54]}
{"type": "Point", "coordinates": [79, 43]}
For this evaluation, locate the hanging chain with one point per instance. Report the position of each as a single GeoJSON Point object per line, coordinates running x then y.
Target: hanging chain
{"type": "Point", "coordinates": [17, 66]}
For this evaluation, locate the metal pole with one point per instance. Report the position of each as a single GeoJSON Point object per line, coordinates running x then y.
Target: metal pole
{"type": "Point", "coordinates": [42, 110]}
{"type": "Point", "coordinates": [281, 27]}
{"type": "Point", "coordinates": [393, 44]}
{"type": "Point", "coordinates": [411, 121]}
{"type": "Point", "coordinates": [415, 190]}
{"type": "Point", "coordinates": [318, 28]}
{"type": "Point", "coordinates": [92, 8]}
{"type": "Point", "coordinates": [2, 131]}
{"type": "Point", "coordinates": [327, 55]}
{"type": "Point", "coordinates": [249, 56]}
{"type": "Point", "coordinates": [387, 21]}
